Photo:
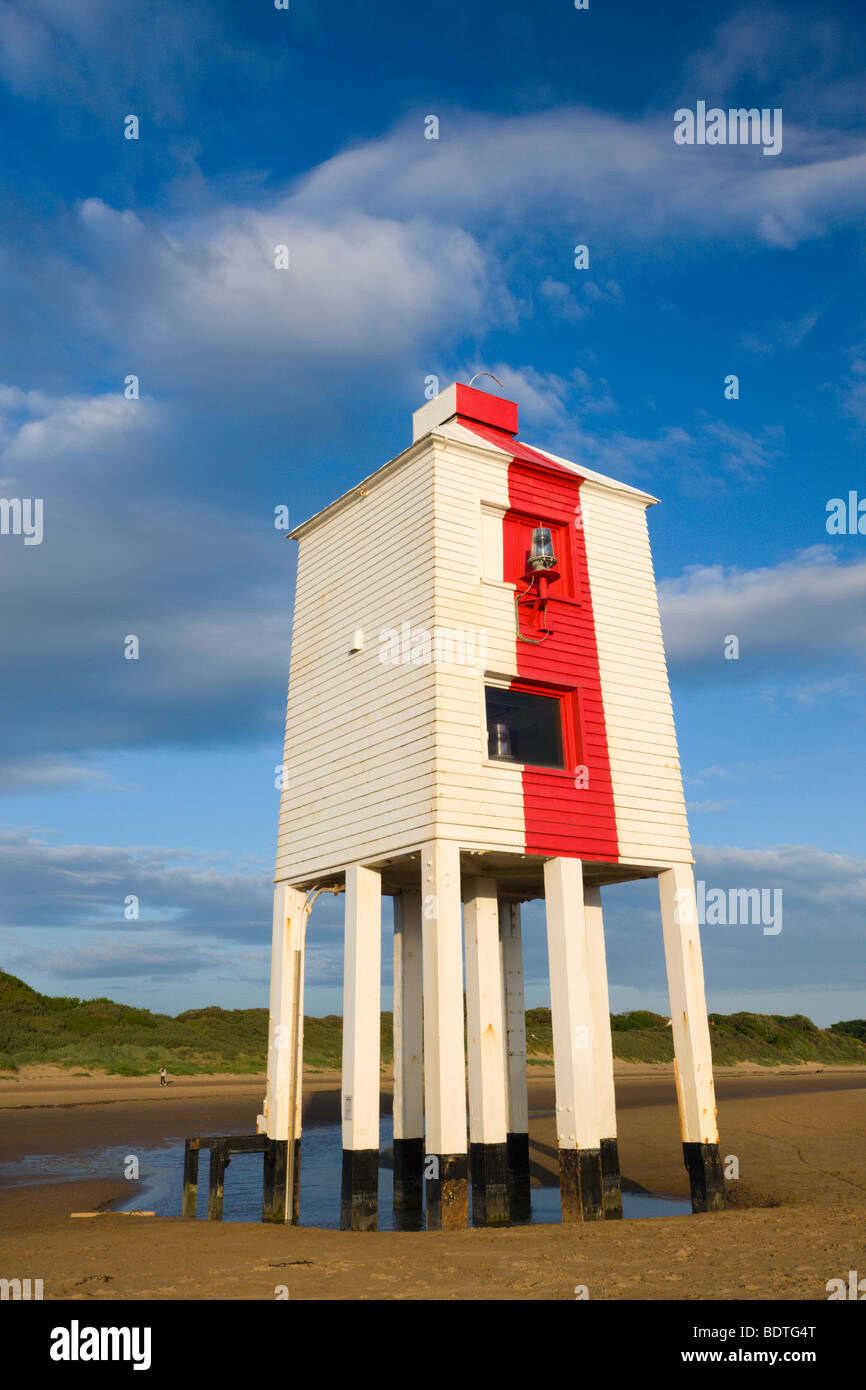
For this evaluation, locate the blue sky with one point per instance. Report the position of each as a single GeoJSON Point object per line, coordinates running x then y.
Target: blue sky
{"type": "Point", "coordinates": [259, 388]}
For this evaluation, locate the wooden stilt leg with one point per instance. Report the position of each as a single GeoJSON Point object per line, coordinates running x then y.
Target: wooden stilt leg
{"type": "Point", "coordinates": [693, 1056]}
{"type": "Point", "coordinates": [446, 1187]}
{"type": "Point", "coordinates": [285, 1050]}
{"type": "Point", "coordinates": [517, 1136]}
{"type": "Point", "coordinates": [293, 1177]}
{"type": "Point", "coordinates": [190, 1177]}
{"type": "Point", "coordinates": [597, 965]}
{"type": "Point", "coordinates": [577, 1118]}
{"type": "Point", "coordinates": [274, 1179]}
{"type": "Point", "coordinates": [408, 1069]}
{"type": "Point", "coordinates": [361, 1049]}
{"type": "Point", "coordinates": [484, 1028]}
{"type": "Point", "coordinates": [216, 1180]}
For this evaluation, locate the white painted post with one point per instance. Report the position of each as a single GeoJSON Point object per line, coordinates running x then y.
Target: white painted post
{"type": "Point", "coordinates": [295, 1158]}
{"type": "Point", "coordinates": [444, 1057]}
{"type": "Point", "coordinates": [408, 1065]}
{"type": "Point", "coordinates": [693, 1064]}
{"type": "Point", "coordinates": [517, 1128]}
{"type": "Point", "coordinates": [577, 1118]}
{"type": "Point", "coordinates": [361, 1049]}
{"type": "Point", "coordinates": [283, 1101]}
{"type": "Point", "coordinates": [484, 1030]}
{"type": "Point", "coordinates": [600, 998]}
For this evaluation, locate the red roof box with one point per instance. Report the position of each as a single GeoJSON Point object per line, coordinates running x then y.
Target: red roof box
{"type": "Point", "coordinates": [486, 409]}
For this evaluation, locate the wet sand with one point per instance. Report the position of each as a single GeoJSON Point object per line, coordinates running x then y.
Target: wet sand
{"type": "Point", "coordinates": [797, 1214]}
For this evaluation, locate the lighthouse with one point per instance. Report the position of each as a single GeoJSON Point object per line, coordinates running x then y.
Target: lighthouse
{"type": "Point", "coordinates": [479, 716]}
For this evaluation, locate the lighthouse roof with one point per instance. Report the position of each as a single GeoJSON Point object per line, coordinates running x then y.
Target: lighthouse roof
{"type": "Point", "coordinates": [475, 419]}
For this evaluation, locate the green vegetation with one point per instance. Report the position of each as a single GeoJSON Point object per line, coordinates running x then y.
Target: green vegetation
{"type": "Point", "coordinates": [855, 1028]}
{"type": "Point", "coordinates": [769, 1039]}
{"type": "Point", "coordinates": [97, 1033]}
{"type": "Point", "coordinates": [775, 1038]}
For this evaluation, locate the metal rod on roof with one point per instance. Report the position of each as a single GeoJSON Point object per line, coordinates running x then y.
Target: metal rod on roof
{"type": "Point", "coordinates": [492, 377]}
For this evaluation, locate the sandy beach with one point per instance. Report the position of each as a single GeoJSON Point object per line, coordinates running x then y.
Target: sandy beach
{"type": "Point", "coordinates": [796, 1217]}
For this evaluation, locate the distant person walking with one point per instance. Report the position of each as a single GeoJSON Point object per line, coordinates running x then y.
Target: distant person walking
{"type": "Point", "coordinates": [162, 1079]}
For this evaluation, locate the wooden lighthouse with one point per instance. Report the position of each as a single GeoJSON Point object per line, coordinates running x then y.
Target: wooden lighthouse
{"type": "Point", "coordinates": [479, 715]}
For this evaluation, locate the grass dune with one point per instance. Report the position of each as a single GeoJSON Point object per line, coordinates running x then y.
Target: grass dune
{"type": "Point", "coordinates": [101, 1034]}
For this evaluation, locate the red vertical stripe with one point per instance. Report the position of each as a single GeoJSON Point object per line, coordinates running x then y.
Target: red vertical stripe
{"type": "Point", "coordinates": [560, 818]}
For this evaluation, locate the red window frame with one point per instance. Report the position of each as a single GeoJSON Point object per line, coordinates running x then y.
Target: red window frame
{"type": "Point", "coordinates": [570, 722]}
{"type": "Point", "coordinates": [517, 532]}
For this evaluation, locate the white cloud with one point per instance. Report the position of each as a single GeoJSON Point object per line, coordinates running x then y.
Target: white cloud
{"type": "Point", "coordinates": [772, 56]}
{"type": "Point", "coordinates": [852, 391]}
{"type": "Point", "coordinates": [819, 947]}
{"type": "Point", "coordinates": [784, 335]}
{"type": "Point", "coordinates": [809, 694]}
{"type": "Point", "coordinates": [40, 773]}
{"type": "Point", "coordinates": [46, 884]}
{"type": "Point", "coordinates": [35, 426]}
{"type": "Point", "coordinates": [561, 299]}
{"type": "Point", "coordinates": [394, 247]}
{"type": "Point", "coordinates": [621, 178]}
{"type": "Point", "coordinates": [748, 44]}
{"type": "Point", "coordinates": [743, 453]}
{"type": "Point", "coordinates": [210, 915]}
{"type": "Point", "coordinates": [199, 304]}
{"type": "Point", "coordinates": [553, 415]}
{"type": "Point", "coordinates": [806, 611]}
{"type": "Point", "coordinates": [91, 53]}
{"type": "Point", "coordinates": [205, 590]}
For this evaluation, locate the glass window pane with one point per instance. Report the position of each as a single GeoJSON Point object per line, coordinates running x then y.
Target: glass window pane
{"type": "Point", "coordinates": [523, 727]}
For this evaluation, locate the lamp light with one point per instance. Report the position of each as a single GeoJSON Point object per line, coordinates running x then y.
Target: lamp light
{"type": "Point", "coordinates": [541, 556]}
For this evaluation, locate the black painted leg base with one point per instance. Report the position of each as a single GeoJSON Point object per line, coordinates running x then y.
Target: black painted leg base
{"type": "Point", "coordinates": [274, 1181]}
{"type": "Point", "coordinates": [359, 1204]}
{"type": "Point", "coordinates": [611, 1181]}
{"type": "Point", "coordinates": [219, 1161]}
{"type": "Point", "coordinates": [580, 1185]}
{"type": "Point", "coordinates": [408, 1174]}
{"type": "Point", "coordinates": [190, 1178]}
{"type": "Point", "coordinates": [704, 1167]}
{"type": "Point", "coordinates": [489, 1165]}
{"type": "Point", "coordinates": [296, 1184]}
{"type": "Point", "coordinates": [447, 1192]}
{"type": "Point", "coordinates": [519, 1198]}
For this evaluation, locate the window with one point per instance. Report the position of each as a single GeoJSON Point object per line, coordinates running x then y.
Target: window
{"type": "Point", "coordinates": [523, 727]}
{"type": "Point", "coordinates": [491, 542]}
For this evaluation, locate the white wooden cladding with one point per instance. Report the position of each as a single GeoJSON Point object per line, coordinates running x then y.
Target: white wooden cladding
{"type": "Point", "coordinates": [360, 735]}
{"type": "Point", "coordinates": [645, 770]}
{"type": "Point", "coordinates": [381, 757]}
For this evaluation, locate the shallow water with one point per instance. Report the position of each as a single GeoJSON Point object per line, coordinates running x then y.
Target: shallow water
{"type": "Point", "coordinates": [161, 1170]}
